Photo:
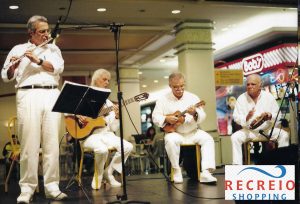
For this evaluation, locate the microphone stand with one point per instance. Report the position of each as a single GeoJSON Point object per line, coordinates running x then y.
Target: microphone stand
{"type": "Point", "coordinates": [281, 104]}
{"type": "Point", "coordinates": [116, 29]}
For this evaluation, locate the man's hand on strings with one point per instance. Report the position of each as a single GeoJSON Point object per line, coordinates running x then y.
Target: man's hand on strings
{"type": "Point", "coordinates": [250, 114]}
{"type": "Point", "coordinates": [191, 110]}
{"type": "Point", "coordinates": [268, 115]}
{"type": "Point", "coordinates": [82, 119]}
{"type": "Point", "coordinates": [171, 119]}
{"type": "Point", "coordinates": [116, 110]}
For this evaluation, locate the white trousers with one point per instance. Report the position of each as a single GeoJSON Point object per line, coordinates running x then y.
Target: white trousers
{"type": "Point", "coordinates": [38, 126]}
{"type": "Point", "coordinates": [243, 135]}
{"type": "Point", "coordinates": [100, 142]}
{"type": "Point", "coordinates": [174, 140]}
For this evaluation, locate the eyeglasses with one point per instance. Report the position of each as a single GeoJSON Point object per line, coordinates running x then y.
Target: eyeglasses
{"type": "Point", "coordinates": [43, 31]}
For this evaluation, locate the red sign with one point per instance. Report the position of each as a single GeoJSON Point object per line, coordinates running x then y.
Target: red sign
{"type": "Point", "coordinates": [253, 64]}
{"type": "Point", "coordinates": [280, 56]}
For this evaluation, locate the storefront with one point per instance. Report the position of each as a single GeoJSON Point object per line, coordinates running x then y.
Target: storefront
{"type": "Point", "coordinates": [276, 65]}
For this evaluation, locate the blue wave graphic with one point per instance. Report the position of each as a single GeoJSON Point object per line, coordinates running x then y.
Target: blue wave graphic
{"type": "Point", "coordinates": [282, 168]}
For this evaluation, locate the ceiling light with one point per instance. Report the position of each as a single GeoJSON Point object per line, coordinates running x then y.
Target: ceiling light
{"type": "Point", "coordinates": [176, 11]}
{"type": "Point", "coordinates": [101, 9]}
{"type": "Point", "coordinates": [144, 85]}
{"type": "Point", "coordinates": [155, 81]}
{"type": "Point", "coordinates": [139, 73]}
{"type": "Point", "coordinates": [13, 7]}
{"type": "Point", "coordinates": [166, 77]}
{"type": "Point", "coordinates": [162, 60]}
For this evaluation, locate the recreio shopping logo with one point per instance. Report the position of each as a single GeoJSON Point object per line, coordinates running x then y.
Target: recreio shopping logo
{"type": "Point", "coordinates": [259, 182]}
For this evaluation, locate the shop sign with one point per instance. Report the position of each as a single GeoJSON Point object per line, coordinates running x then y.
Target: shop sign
{"type": "Point", "coordinates": [253, 64]}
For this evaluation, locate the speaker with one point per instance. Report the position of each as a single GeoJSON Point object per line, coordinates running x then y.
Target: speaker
{"type": "Point", "coordinates": [283, 155]}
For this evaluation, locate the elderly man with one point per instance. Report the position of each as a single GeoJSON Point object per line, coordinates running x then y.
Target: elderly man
{"type": "Point", "coordinates": [104, 138]}
{"type": "Point", "coordinates": [36, 69]}
{"type": "Point", "coordinates": [186, 129]}
{"type": "Point", "coordinates": [250, 105]}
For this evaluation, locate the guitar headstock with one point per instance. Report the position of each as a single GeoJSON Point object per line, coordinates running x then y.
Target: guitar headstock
{"type": "Point", "coordinates": [141, 97]}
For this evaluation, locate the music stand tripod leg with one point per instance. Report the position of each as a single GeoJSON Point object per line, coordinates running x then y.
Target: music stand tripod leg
{"type": "Point", "coordinates": [75, 178]}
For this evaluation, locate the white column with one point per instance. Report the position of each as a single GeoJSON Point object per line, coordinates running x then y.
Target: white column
{"type": "Point", "coordinates": [129, 84]}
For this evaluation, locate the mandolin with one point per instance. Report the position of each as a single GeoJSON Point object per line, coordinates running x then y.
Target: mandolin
{"type": "Point", "coordinates": [168, 128]}
{"type": "Point", "coordinates": [82, 130]}
{"type": "Point", "coordinates": [258, 121]}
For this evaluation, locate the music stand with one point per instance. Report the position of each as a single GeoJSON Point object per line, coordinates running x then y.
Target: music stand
{"type": "Point", "coordinates": [78, 99]}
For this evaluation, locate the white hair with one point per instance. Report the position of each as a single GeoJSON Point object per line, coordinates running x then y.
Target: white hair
{"type": "Point", "coordinates": [97, 74]}
{"type": "Point", "coordinates": [33, 20]}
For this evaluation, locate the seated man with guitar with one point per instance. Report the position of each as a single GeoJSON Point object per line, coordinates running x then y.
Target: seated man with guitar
{"type": "Point", "coordinates": [179, 113]}
{"type": "Point", "coordinates": [103, 137]}
{"type": "Point", "coordinates": [255, 111]}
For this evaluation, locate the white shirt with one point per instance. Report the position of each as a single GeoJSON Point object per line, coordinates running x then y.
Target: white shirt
{"type": "Point", "coordinates": [29, 73]}
{"type": "Point", "coordinates": [112, 124]}
{"type": "Point", "coordinates": [265, 103]}
{"type": "Point", "coordinates": [169, 104]}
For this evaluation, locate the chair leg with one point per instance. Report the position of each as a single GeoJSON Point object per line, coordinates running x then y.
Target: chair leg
{"type": "Point", "coordinates": [198, 159]}
{"type": "Point", "coordinates": [80, 168]}
{"type": "Point", "coordinates": [245, 153]}
{"type": "Point", "coordinates": [8, 176]}
{"type": "Point", "coordinates": [172, 175]}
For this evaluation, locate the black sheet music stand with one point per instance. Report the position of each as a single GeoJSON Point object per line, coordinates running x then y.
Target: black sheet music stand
{"type": "Point", "coordinates": [83, 100]}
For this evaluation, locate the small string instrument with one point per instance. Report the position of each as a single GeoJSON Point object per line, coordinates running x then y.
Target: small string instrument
{"type": "Point", "coordinates": [258, 121]}
{"type": "Point", "coordinates": [180, 115]}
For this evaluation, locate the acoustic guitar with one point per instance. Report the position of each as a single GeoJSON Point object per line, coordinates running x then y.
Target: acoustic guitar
{"type": "Point", "coordinates": [82, 130]}
{"type": "Point", "coordinates": [168, 128]}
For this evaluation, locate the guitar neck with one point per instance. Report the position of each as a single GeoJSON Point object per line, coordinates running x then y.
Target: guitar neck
{"type": "Point", "coordinates": [109, 109]}
{"type": "Point", "coordinates": [195, 106]}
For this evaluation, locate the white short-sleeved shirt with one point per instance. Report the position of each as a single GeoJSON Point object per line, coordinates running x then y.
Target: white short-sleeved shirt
{"type": "Point", "coordinates": [169, 104]}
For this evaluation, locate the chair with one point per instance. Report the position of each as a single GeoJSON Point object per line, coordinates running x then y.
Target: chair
{"type": "Point", "coordinates": [193, 173]}
{"type": "Point", "coordinates": [247, 148]}
{"type": "Point", "coordinates": [15, 147]}
{"type": "Point", "coordinates": [16, 150]}
{"type": "Point", "coordinates": [87, 150]}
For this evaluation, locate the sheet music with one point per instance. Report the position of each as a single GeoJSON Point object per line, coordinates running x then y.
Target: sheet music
{"type": "Point", "coordinates": [81, 99]}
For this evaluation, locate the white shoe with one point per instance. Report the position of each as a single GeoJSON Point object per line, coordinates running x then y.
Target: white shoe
{"type": "Point", "coordinates": [24, 198]}
{"type": "Point", "coordinates": [111, 180]}
{"type": "Point", "coordinates": [99, 183]}
{"type": "Point", "coordinates": [56, 195]}
{"type": "Point", "coordinates": [177, 175]}
{"type": "Point", "coordinates": [206, 177]}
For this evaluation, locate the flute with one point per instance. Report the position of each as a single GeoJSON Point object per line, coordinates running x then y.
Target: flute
{"type": "Point", "coordinates": [20, 58]}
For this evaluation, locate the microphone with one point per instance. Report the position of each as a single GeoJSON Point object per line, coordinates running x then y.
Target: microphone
{"type": "Point", "coordinates": [56, 29]}
{"type": "Point", "coordinates": [262, 132]}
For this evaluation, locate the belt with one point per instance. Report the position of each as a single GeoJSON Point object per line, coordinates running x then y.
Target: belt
{"type": "Point", "coordinates": [38, 87]}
